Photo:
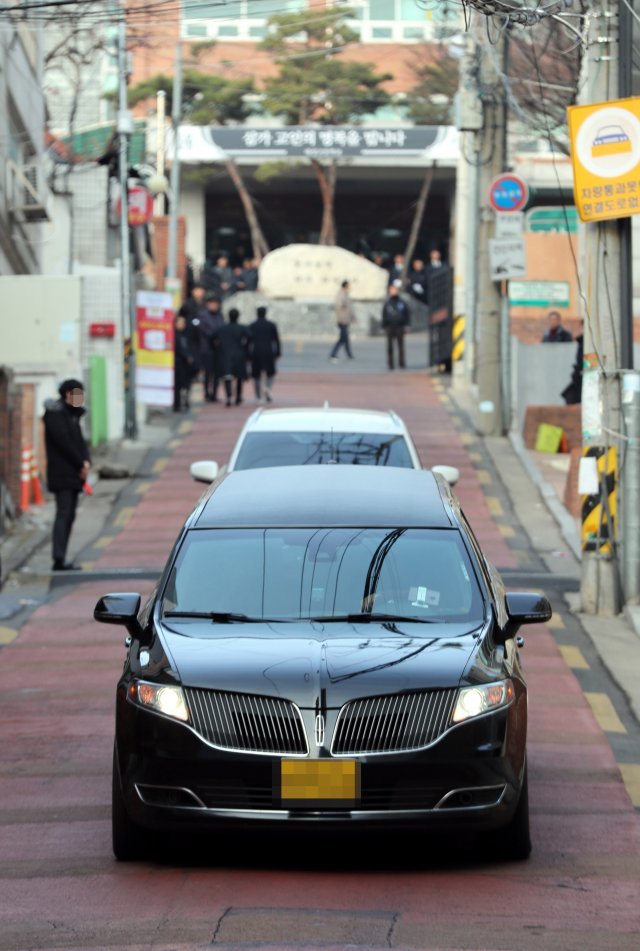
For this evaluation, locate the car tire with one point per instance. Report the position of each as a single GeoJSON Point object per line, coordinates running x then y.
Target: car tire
{"type": "Point", "coordinates": [517, 835]}
{"type": "Point", "coordinates": [129, 840]}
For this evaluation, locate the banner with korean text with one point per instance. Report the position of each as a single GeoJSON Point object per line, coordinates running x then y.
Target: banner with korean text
{"type": "Point", "coordinates": [153, 341]}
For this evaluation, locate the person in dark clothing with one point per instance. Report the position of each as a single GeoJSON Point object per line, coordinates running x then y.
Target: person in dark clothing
{"type": "Point", "coordinates": [395, 322]}
{"type": "Point", "coordinates": [264, 350]}
{"type": "Point", "coordinates": [418, 281]}
{"type": "Point", "coordinates": [185, 365]}
{"type": "Point", "coordinates": [192, 310]}
{"type": "Point", "coordinates": [68, 463]}
{"type": "Point", "coordinates": [233, 344]}
{"type": "Point", "coordinates": [556, 333]}
{"type": "Point", "coordinates": [572, 393]}
{"type": "Point", "coordinates": [250, 274]}
{"type": "Point", "coordinates": [210, 321]}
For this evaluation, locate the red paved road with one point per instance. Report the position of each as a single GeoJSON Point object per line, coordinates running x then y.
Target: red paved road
{"type": "Point", "coordinates": [61, 888]}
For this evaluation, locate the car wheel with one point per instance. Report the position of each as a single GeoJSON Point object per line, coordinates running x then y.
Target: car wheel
{"type": "Point", "coordinates": [517, 837]}
{"type": "Point", "coordinates": [129, 840]}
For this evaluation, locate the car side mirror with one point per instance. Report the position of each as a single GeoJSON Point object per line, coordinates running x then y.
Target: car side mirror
{"type": "Point", "coordinates": [449, 473]}
{"type": "Point", "coordinates": [204, 471]}
{"type": "Point", "coordinates": [121, 608]}
{"type": "Point", "coordinates": [525, 607]}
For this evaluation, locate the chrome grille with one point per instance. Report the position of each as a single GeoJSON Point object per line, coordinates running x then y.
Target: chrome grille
{"type": "Point", "coordinates": [393, 724]}
{"type": "Point", "coordinates": [239, 721]}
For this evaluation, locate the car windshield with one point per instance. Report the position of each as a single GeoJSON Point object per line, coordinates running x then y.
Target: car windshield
{"type": "Point", "coordinates": [324, 573]}
{"type": "Point", "coordinates": [309, 448]}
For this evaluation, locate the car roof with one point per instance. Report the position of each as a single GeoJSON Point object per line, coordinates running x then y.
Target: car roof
{"type": "Point", "coordinates": [321, 418]}
{"type": "Point", "coordinates": [327, 495]}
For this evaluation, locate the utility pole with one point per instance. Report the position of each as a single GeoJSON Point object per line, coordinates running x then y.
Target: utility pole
{"type": "Point", "coordinates": [176, 116]}
{"type": "Point", "coordinates": [603, 331]}
{"type": "Point", "coordinates": [124, 130]}
{"type": "Point", "coordinates": [489, 309]}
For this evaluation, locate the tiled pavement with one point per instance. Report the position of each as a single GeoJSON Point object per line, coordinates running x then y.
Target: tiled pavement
{"type": "Point", "coordinates": [59, 885]}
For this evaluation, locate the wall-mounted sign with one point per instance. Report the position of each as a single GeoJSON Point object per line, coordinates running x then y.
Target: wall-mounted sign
{"type": "Point", "coordinates": [605, 154]}
{"type": "Point", "coordinates": [216, 143]}
{"type": "Point", "coordinates": [552, 218]}
{"type": "Point", "coordinates": [539, 293]}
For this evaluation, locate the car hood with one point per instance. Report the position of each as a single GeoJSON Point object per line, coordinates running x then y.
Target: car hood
{"type": "Point", "coordinates": [307, 661]}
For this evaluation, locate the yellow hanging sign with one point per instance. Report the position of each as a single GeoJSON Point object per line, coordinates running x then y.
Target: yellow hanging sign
{"type": "Point", "coordinates": [605, 154]}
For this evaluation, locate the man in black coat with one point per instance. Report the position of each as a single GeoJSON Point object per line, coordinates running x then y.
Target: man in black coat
{"type": "Point", "coordinates": [233, 344]}
{"type": "Point", "coordinates": [68, 463]}
{"type": "Point", "coordinates": [264, 350]}
{"type": "Point", "coordinates": [395, 323]}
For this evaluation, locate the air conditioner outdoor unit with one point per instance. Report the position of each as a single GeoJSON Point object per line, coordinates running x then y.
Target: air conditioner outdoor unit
{"type": "Point", "coordinates": [27, 192]}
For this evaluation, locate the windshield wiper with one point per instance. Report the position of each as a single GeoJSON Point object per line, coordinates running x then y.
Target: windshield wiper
{"type": "Point", "coordinates": [219, 617]}
{"type": "Point", "coordinates": [360, 618]}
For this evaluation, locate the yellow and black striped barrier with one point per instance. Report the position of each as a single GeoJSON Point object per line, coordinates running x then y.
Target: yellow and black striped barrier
{"type": "Point", "coordinates": [457, 352]}
{"type": "Point", "coordinates": [599, 510]}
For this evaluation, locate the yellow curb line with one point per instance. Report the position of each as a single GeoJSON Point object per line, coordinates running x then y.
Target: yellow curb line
{"type": "Point", "coordinates": [124, 515]}
{"type": "Point", "coordinates": [631, 778]}
{"type": "Point", "coordinates": [574, 657]}
{"type": "Point", "coordinates": [7, 635]}
{"type": "Point", "coordinates": [160, 464]}
{"type": "Point", "coordinates": [605, 713]}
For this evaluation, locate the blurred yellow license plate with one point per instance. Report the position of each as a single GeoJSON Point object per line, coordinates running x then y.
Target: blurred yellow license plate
{"type": "Point", "coordinates": [307, 781]}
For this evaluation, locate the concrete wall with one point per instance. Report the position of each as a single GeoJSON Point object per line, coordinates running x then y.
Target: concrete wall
{"type": "Point", "coordinates": [539, 373]}
{"type": "Point", "coordinates": [44, 328]}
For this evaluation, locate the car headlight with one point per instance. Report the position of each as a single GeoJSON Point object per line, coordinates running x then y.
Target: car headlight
{"type": "Point", "coordinates": [160, 697]}
{"type": "Point", "coordinates": [484, 698]}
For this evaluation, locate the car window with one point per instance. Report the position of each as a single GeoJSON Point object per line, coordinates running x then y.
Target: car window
{"type": "Point", "coordinates": [305, 448]}
{"type": "Point", "coordinates": [325, 572]}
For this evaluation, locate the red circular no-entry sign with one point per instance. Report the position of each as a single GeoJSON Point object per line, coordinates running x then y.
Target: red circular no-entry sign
{"type": "Point", "coordinates": [508, 193]}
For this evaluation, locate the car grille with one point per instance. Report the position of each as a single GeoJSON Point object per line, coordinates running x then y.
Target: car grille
{"type": "Point", "coordinates": [239, 721]}
{"type": "Point", "coordinates": [393, 724]}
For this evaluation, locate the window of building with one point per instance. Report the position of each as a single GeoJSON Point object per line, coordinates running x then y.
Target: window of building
{"type": "Point", "coordinates": [374, 20]}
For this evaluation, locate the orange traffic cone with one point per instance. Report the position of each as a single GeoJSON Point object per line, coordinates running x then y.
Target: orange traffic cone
{"type": "Point", "coordinates": [36, 489]}
{"type": "Point", "coordinates": [25, 479]}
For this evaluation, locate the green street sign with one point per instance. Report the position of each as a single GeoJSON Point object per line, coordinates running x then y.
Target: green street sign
{"type": "Point", "coordinates": [539, 293]}
{"type": "Point", "coordinates": [552, 218]}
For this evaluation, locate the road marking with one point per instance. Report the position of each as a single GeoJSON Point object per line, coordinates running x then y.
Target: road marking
{"type": "Point", "coordinates": [103, 542]}
{"type": "Point", "coordinates": [173, 443]}
{"type": "Point", "coordinates": [475, 456]}
{"type": "Point", "coordinates": [123, 515]}
{"type": "Point", "coordinates": [483, 476]}
{"type": "Point", "coordinates": [160, 464]}
{"type": "Point", "coordinates": [507, 531]}
{"type": "Point", "coordinates": [605, 713]}
{"type": "Point", "coordinates": [141, 488]}
{"type": "Point", "coordinates": [7, 634]}
{"type": "Point", "coordinates": [494, 506]}
{"type": "Point", "coordinates": [574, 657]}
{"type": "Point", "coordinates": [299, 346]}
{"type": "Point", "coordinates": [631, 778]}
{"type": "Point", "coordinates": [467, 438]}
{"type": "Point", "coordinates": [185, 427]}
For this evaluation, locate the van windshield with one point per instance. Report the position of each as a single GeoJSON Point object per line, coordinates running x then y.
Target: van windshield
{"type": "Point", "coordinates": [309, 448]}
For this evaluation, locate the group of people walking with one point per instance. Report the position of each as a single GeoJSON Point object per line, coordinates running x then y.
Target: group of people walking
{"type": "Point", "coordinates": [222, 352]}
